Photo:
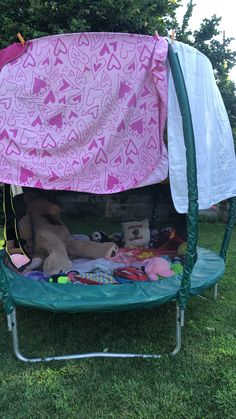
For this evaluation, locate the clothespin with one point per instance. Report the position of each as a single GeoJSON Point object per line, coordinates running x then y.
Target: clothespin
{"type": "Point", "coordinates": [21, 39]}
{"type": "Point", "coordinates": [172, 37]}
{"type": "Point", "coordinates": [156, 35]}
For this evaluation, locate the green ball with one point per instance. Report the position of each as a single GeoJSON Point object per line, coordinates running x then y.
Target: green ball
{"type": "Point", "coordinates": [177, 268]}
{"type": "Point", "coordinates": [63, 280]}
{"type": "Point", "coordinates": [60, 280]}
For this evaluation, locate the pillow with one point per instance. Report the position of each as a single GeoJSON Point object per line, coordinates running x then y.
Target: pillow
{"type": "Point", "coordinates": [136, 233]}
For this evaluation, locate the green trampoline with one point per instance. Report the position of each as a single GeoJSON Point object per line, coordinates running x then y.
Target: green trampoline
{"type": "Point", "coordinates": [208, 269]}
{"type": "Point", "coordinates": [202, 268]}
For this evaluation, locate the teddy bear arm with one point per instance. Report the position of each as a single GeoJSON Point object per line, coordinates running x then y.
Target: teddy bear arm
{"type": "Point", "coordinates": [57, 259]}
{"type": "Point", "coordinates": [46, 242]}
{"type": "Point", "coordinates": [89, 249]}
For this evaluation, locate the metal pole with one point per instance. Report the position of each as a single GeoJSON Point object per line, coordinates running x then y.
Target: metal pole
{"type": "Point", "coordinates": [9, 322]}
{"type": "Point", "coordinates": [179, 325]}
{"type": "Point", "coordinates": [15, 337]}
{"type": "Point", "coordinates": [13, 325]}
{"type": "Point", "coordinates": [215, 291]}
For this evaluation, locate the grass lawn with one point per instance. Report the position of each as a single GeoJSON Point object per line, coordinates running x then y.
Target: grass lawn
{"type": "Point", "coordinates": [200, 382]}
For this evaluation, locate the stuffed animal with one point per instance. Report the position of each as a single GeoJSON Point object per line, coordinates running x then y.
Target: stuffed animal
{"type": "Point", "coordinates": [53, 247]}
{"type": "Point", "coordinates": [165, 238]}
{"type": "Point", "coordinates": [100, 237]}
{"type": "Point", "coordinates": [158, 266]}
{"type": "Point", "coordinates": [136, 233]}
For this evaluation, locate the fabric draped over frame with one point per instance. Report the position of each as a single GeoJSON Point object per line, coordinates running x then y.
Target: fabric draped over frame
{"type": "Point", "coordinates": [215, 154]}
{"type": "Point", "coordinates": [84, 112]}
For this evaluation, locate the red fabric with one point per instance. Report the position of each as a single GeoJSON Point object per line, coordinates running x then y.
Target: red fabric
{"type": "Point", "coordinates": [131, 273]}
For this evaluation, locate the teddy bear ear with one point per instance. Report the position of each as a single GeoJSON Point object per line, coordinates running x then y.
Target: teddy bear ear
{"type": "Point", "coordinates": [53, 209]}
{"type": "Point", "coordinates": [96, 237]}
{"type": "Point", "coordinates": [30, 196]}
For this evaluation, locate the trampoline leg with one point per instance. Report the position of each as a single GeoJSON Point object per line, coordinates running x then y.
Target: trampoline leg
{"type": "Point", "coordinates": [9, 323]}
{"type": "Point", "coordinates": [215, 291]}
{"type": "Point", "coordinates": [179, 325]}
{"type": "Point", "coordinates": [12, 325]}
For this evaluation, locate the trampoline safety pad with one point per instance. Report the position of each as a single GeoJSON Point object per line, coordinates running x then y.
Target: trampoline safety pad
{"type": "Point", "coordinates": [208, 269]}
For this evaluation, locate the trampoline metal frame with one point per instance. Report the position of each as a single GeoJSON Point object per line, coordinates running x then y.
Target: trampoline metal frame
{"type": "Point", "coordinates": [13, 328]}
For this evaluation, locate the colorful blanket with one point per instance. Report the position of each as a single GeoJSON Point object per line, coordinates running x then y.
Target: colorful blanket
{"type": "Point", "coordinates": [84, 112]}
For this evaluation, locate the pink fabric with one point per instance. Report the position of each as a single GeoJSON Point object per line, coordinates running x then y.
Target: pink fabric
{"type": "Point", "coordinates": [11, 53]}
{"type": "Point", "coordinates": [19, 260]}
{"type": "Point", "coordinates": [139, 255]}
{"type": "Point", "coordinates": [158, 266]}
{"type": "Point", "coordinates": [85, 112]}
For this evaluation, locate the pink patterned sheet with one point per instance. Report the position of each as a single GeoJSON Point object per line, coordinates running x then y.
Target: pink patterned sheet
{"type": "Point", "coordinates": [139, 255]}
{"type": "Point", "coordinates": [84, 112]}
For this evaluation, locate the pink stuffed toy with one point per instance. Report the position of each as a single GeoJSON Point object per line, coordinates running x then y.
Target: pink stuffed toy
{"type": "Point", "coordinates": [19, 260]}
{"type": "Point", "coordinates": [158, 267]}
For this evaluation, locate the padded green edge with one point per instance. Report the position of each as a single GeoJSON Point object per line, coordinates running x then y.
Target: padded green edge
{"type": "Point", "coordinates": [228, 228]}
{"type": "Point", "coordinates": [4, 286]}
{"type": "Point", "coordinates": [189, 141]}
{"type": "Point", "coordinates": [209, 268]}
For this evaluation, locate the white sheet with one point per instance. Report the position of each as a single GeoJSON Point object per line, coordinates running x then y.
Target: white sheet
{"type": "Point", "coordinates": [216, 163]}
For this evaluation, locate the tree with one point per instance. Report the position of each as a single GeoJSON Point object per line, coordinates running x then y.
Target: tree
{"type": "Point", "coordinates": [36, 18]}
{"type": "Point", "coordinates": [222, 58]}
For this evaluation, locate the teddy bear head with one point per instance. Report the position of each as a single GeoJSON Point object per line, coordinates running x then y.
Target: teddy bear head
{"type": "Point", "coordinates": [41, 207]}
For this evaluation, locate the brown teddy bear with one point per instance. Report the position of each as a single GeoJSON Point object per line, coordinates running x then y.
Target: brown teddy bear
{"type": "Point", "coordinates": [51, 242]}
